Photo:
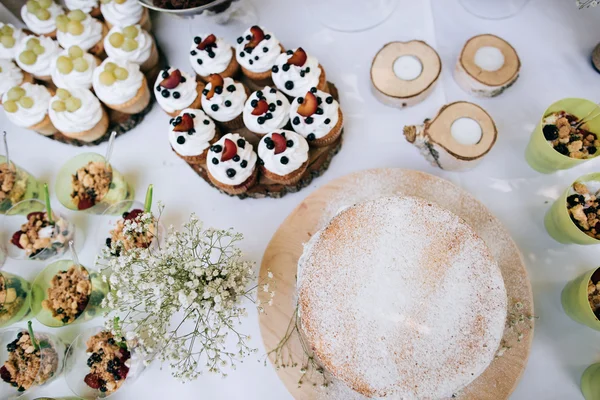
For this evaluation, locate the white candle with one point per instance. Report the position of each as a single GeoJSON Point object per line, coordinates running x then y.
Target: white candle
{"type": "Point", "coordinates": [466, 131]}
{"type": "Point", "coordinates": [489, 58]}
{"type": "Point", "coordinates": [408, 67]}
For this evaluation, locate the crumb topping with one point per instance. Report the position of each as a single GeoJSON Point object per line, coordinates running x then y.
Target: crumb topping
{"type": "Point", "coordinates": [68, 294]}
{"type": "Point", "coordinates": [38, 234]}
{"type": "Point", "coordinates": [11, 299]}
{"type": "Point", "coordinates": [90, 184]}
{"type": "Point", "coordinates": [108, 362]}
{"type": "Point", "coordinates": [583, 207]}
{"type": "Point", "coordinates": [8, 176]}
{"type": "Point", "coordinates": [594, 297]}
{"type": "Point", "coordinates": [560, 129]}
{"type": "Point", "coordinates": [134, 230]}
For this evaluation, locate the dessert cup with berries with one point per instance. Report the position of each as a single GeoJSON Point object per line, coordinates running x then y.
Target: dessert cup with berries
{"type": "Point", "coordinates": [191, 134]}
{"type": "Point", "coordinates": [35, 55]}
{"type": "Point", "coordinates": [295, 72]}
{"type": "Point", "coordinates": [256, 52]}
{"type": "Point", "coordinates": [266, 110]}
{"type": "Point", "coordinates": [283, 156]}
{"type": "Point", "coordinates": [77, 28]}
{"type": "Point", "coordinates": [223, 100]}
{"type": "Point", "coordinates": [27, 106]}
{"type": "Point", "coordinates": [11, 76]}
{"type": "Point", "coordinates": [561, 140]}
{"type": "Point", "coordinates": [133, 44]}
{"type": "Point", "coordinates": [14, 299]}
{"type": "Point", "coordinates": [40, 16]}
{"type": "Point", "coordinates": [590, 382]}
{"type": "Point", "coordinates": [10, 36]}
{"type": "Point", "coordinates": [231, 164]}
{"type": "Point", "coordinates": [17, 185]}
{"type": "Point", "coordinates": [580, 299]}
{"type": "Point", "coordinates": [78, 114]}
{"type": "Point", "coordinates": [125, 13]}
{"type": "Point", "coordinates": [211, 55]}
{"type": "Point", "coordinates": [100, 364]}
{"type": "Point", "coordinates": [317, 116]}
{"type": "Point", "coordinates": [74, 68]}
{"type": "Point", "coordinates": [175, 91]}
{"type": "Point", "coordinates": [575, 216]}
{"type": "Point", "coordinates": [91, 7]}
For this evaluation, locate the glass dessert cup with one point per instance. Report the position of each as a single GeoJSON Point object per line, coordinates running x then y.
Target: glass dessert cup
{"type": "Point", "coordinates": [52, 353]}
{"type": "Point", "coordinates": [352, 16]}
{"type": "Point", "coordinates": [119, 189]}
{"type": "Point", "coordinates": [86, 309]}
{"type": "Point", "coordinates": [25, 187]}
{"type": "Point", "coordinates": [77, 367]}
{"type": "Point", "coordinates": [540, 155]}
{"type": "Point", "coordinates": [53, 240]}
{"type": "Point", "coordinates": [15, 295]}
{"type": "Point", "coordinates": [494, 9]}
{"type": "Point", "coordinates": [558, 221]}
{"type": "Point", "coordinates": [590, 382]}
{"type": "Point", "coordinates": [574, 299]}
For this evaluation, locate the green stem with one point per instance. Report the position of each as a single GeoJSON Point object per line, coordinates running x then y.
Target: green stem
{"type": "Point", "coordinates": [48, 207]}
{"type": "Point", "coordinates": [148, 203]}
{"type": "Point", "coordinates": [36, 345]}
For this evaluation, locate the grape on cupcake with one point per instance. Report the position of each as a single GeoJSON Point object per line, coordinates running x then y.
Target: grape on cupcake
{"type": "Point", "coordinates": [36, 54]}
{"type": "Point", "coordinates": [87, 6]}
{"type": "Point", "coordinates": [121, 86]}
{"type": "Point", "coordinates": [74, 69]}
{"type": "Point", "coordinates": [27, 106]}
{"type": "Point", "coordinates": [125, 13]}
{"type": "Point", "coordinates": [78, 114]}
{"type": "Point", "coordinates": [133, 44]}
{"type": "Point", "coordinates": [11, 76]}
{"type": "Point", "coordinates": [40, 16]}
{"type": "Point", "coordinates": [79, 29]}
{"type": "Point", "coordinates": [9, 37]}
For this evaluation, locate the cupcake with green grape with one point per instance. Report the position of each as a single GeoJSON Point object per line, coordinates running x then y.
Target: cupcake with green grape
{"type": "Point", "coordinates": [223, 100]}
{"type": "Point", "coordinates": [212, 55]}
{"type": "Point", "coordinates": [14, 299]}
{"type": "Point", "coordinates": [133, 44]}
{"type": "Point", "coordinates": [317, 116]}
{"type": "Point", "coordinates": [231, 164]}
{"type": "Point", "coordinates": [191, 133]}
{"type": "Point", "coordinates": [9, 37]}
{"type": "Point", "coordinates": [125, 13]}
{"type": "Point", "coordinates": [74, 69]}
{"type": "Point", "coordinates": [266, 110]}
{"type": "Point", "coordinates": [283, 156]}
{"type": "Point", "coordinates": [27, 106]}
{"type": "Point", "coordinates": [78, 114]}
{"type": "Point", "coordinates": [176, 91]}
{"type": "Point", "coordinates": [40, 16]}
{"type": "Point", "coordinates": [11, 76]}
{"type": "Point", "coordinates": [91, 7]}
{"type": "Point", "coordinates": [35, 55]}
{"type": "Point", "coordinates": [77, 28]}
{"type": "Point", "coordinates": [121, 86]}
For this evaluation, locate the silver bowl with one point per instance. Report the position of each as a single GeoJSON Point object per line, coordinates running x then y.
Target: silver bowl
{"type": "Point", "coordinates": [187, 12]}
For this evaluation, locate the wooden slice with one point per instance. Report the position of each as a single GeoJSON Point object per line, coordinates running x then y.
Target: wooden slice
{"type": "Point", "coordinates": [281, 257]}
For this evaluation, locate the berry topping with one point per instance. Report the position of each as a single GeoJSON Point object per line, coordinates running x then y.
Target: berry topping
{"type": "Point", "coordinates": [296, 121]}
{"type": "Point", "coordinates": [172, 80]}
{"type": "Point", "coordinates": [206, 122]}
{"type": "Point", "coordinates": [313, 89]}
{"type": "Point", "coordinates": [185, 124]}
{"type": "Point", "coordinates": [230, 172]}
{"type": "Point", "coordinates": [327, 121]}
{"type": "Point", "coordinates": [550, 132]}
{"type": "Point", "coordinates": [165, 93]}
{"type": "Point", "coordinates": [272, 107]}
{"type": "Point", "coordinates": [176, 95]}
{"type": "Point", "coordinates": [261, 108]}
{"type": "Point", "coordinates": [15, 239]}
{"type": "Point", "coordinates": [290, 143]}
{"type": "Point", "coordinates": [216, 148]}
{"type": "Point", "coordinates": [214, 107]}
{"type": "Point", "coordinates": [289, 85]}
{"type": "Point", "coordinates": [309, 120]}
{"type": "Point", "coordinates": [231, 88]}
{"type": "Point", "coordinates": [311, 136]}
{"type": "Point", "coordinates": [215, 81]}
{"type": "Point", "coordinates": [285, 67]}
{"type": "Point", "coordinates": [308, 106]}
{"type": "Point", "coordinates": [5, 375]}
{"type": "Point", "coordinates": [298, 58]}
{"type": "Point", "coordinates": [85, 203]}
{"type": "Point", "coordinates": [329, 100]}
{"type": "Point", "coordinates": [199, 61]}
{"type": "Point", "coordinates": [280, 143]}
{"type": "Point", "coordinates": [133, 214]}
{"type": "Point", "coordinates": [236, 158]}
{"type": "Point", "coordinates": [275, 69]}
{"type": "Point", "coordinates": [244, 164]}
{"type": "Point", "coordinates": [193, 52]}
{"type": "Point", "coordinates": [227, 103]}
{"type": "Point", "coordinates": [241, 143]}
{"type": "Point", "coordinates": [197, 40]}
{"type": "Point", "coordinates": [257, 36]}
{"type": "Point", "coordinates": [208, 42]}
{"type": "Point", "coordinates": [230, 150]}
{"type": "Point", "coordinates": [93, 381]}
{"type": "Point", "coordinates": [240, 40]}
{"type": "Point", "coordinates": [215, 161]}
{"type": "Point", "coordinates": [284, 160]}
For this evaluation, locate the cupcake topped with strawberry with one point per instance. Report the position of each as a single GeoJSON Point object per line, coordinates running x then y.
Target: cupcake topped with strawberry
{"type": "Point", "coordinates": [175, 90]}
{"type": "Point", "coordinates": [191, 134]}
{"type": "Point", "coordinates": [74, 69]}
{"type": "Point", "coordinates": [266, 110]}
{"type": "Point", "coordinates": [231, 161]}
{"type": "Point", "coordinates": [223, 99]}
{"type": "Point", "coordinates": [283, 156]}
{"type": "Point", "coordinates": [78, 29]}
{"type": "Point", "coordinates": [9, 38]}
{"type": "Point", "coordinates": [256, 52]}
{"type": "Point", "coordinates": [40, 16]}
{"type": "Point", "coordinates": [36, 54]}
{"type": "Point", "coordinates": [212, 55]}
{"type": "Point", "coordinates": [295, 72]}
{"type": "Point", "coordinates": [317, 116]}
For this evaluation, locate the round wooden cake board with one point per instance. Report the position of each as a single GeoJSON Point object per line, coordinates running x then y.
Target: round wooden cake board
{"type": "Point", "coordinates": [281, 257]}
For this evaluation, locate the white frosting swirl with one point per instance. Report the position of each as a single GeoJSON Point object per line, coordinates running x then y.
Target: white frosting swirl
{"type": "Point", "coordinates": [219, 170]}
{"type": "Point", "coordinates": [84, 5]}
{"type": "Point", "coordinates": [92, 34]}
{"type": "Point", "coordinates": [74, 79]}
{"type": "Point", "coordinates": [120, 91]}
{"type": "Point", "coordinates": [10, 75]}
{"type": "Point", "coordinates": [9, 53]}
{"type": "Point", "coordinates": [216, 107]}
{"type": "Point", "coordinates": [84, 118]}
{"type": "Point", "coordinates": [301, 84]}
{"type": "Point", "coordinates": [196, 141]}
{"type": "Point", "coordinates": [205, 65]}
{"type": "Point", "coordinates": [293, 156]}
{"type": "Point", "coordinates": [321, 124]}
{"type": "Point", "coordinates": [186, 89]}
{"type": "Point", "coordinates": [28, 117]}
{"type": "Point", "coordinates": [38, 26]}
{"type": "Point", "coordinates": [128, 13]}
{"type": "Point", "coordinates": [139, 55]}
{"type": "Point", "coordinates": [279, 105]}
{"type": "Point", "coordinates": [266, 58]}
{"type": "Point", "coordinates": [43, 63]}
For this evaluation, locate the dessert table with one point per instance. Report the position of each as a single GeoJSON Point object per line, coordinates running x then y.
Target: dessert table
{"type": "Point", "coordinates": [554, 41]}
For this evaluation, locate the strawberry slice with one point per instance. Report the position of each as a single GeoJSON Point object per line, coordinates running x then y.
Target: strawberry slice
{"type": "Point", "coordinates": [230, 150]}
{"type": "Point", "coordinates": [257, 36]}
{"type": "Point", "coordinates": [215, 81]}
{"type": "Point", "coordinates": [172, 80]}
{"type": "Point", "coordinates": [280, 143]}
{"type": "Point", "coordinates": [298, 58]}
{"type": "Point", "coordinates": [133, 214]}
{"type": "Point", "coordinates": [309, 105]}
{"type": "Point", "coordinates": [85, 203]}
{"type": "Point", "coordinates": [123, 371]}
{"type": "Point", "coordinates": [93, 381]}
{"type": "Point", "coordinates": [5, 375]}
{"type": "Point", "coordinates": [261, 108]}
{"type": "Point", "coordinates": [15, 239]}
{"type": "Point", "coordinates": [209, 41]}
{"type": "Point", "coordinates": [186, 124]}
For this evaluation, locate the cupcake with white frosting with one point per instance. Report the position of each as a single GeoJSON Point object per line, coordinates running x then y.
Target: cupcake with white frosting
{"type": "Point", "coordinates": [36, 54]}
{"type": "Point", "coordinates": [133, 44]}
{"type": "Point", "coordinates": [176, 90]}
{"type": "Point", "coordinates": [256, 52]}
{"type": "Point", "coordinates": [9, 38]}
{"type": "Point", "coordinates": [231, 164]}
{"type": "Point", "coordinates": [283, 157]}
{"type": "Point", "coordinates": [27, 106]}
{"type": "Point", "coordinates": [40, 16]}
{"type": "Point", "coordinates": [191, 133]}
{"type": "Point", "coordinates": [223, 100]}
{"type": "Point", "coordinates": [11, 75]}
{"type": "Point", "coordinates": [318, 117]}
{"type": "Point", "coordinates": [125, 13]}
{"type": "Point", "coordinates": [212, 55]}
{"type": "Point", "coordinates": [295, 72]}
{"type": "Point", "coordinates": [79, 29]}
{"type": "Point", "coordinates": [87, 6]}
{"type": "Point", "coordinates": [78, 114]}
{"type": "Point", "coordinates": [266, 110]}
{"type": "Point", "coordinates": [121, 86]}
{"type": "Point", "coordinates": [74, 69]}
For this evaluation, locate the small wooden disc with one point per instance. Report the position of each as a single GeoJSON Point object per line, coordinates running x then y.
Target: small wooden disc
{"type": "Point", "coordinates": [500, 77]}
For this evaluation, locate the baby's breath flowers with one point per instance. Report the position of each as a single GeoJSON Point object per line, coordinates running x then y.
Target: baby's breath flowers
{"type": "Point", "coordinates": [586, 3]}
{"type": "Point", "coordinates": [181, 301]}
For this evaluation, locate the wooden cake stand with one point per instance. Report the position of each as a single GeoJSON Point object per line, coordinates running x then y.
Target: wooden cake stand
{"type": "Point", "coordinates": [281, 257]}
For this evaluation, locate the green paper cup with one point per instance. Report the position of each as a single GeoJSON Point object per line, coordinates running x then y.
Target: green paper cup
{"type": "Point", "coordinates": [574, 299]}
{"type": "Point", "coordinates": [118, 191]}
{"type": "Point", "coordinates": [87, 311]}
{"type": "Point", "coordinates": [590, 382]}
{"type": "Point", "coordinates": [540, 154]}
{"type": "Point", "coordinates": [14, 299]}
{"type": "Point", "coordinates": [25, 187]}
{"type": "Point", "coordinates": [558, 222]}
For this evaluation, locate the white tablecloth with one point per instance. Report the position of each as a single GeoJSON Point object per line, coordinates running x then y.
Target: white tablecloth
{"type": "Point", "coordinates": [554, 41]}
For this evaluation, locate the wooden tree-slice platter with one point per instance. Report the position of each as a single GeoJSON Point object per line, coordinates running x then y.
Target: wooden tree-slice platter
{"type": "Point", "coordinates": [281, 257]}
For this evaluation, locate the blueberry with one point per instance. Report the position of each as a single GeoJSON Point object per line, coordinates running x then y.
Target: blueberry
{"type": "Point", "coordinates": [289, 52]}
{"type": "Point", "coordinates": [227, 103]}
{"type": "Point", "coordinates": [270, 145]}
{"type": "Point", "coordinates": [241, 143]}
{"type": "Point", "coordinates": [211, 54]}
{"type": "Point", "coordinates": [158, 88]}
{"type": "Point", "coordinates": [197, 40]}
{"type": "Point", "coordinates": [206, 122]}
{"type": "Point", "coordinates": [275, 69]}
{"type": "Point", "coordinates": [193, 115]}
{"type": "Point", "coordinates": [214, 107]}
{"type": "Point", "coordinates": [176, 95]}
{"type": "Point", "coordinates": [260, 161]}
{"type": "Point", "coordinates": [272, 107]}
{"type": "Point", "coordinates": [230, 172]}
{"type": "Point", "coordinates": [182, 79]}
{"type": "Point", "coordinates": [327, 121]}
{"type": "Point", "coordinates": [240, 40]}
{"type": "Point", "coordinates": [165, 74]}
{"type": "Point", "coordinates": [217, 148]}
{"type": "Point", "coordinates": [248, 50]}
{"type": "Point", "coordinates": [219, 89]}
{"type": "Point", "coordinates": [236, 158]}
{"type": "Point", "coordinates": [259, 93]}
{"type": "Point", "coordinates": [178, 120]}
{"type": "Point", "coordinates": [260, 120]}
{"type": "Point", "coordinates": [284, 160]}
{"type": "Point", "coordinates": [592, 150]}
{"type": "Point", "coordinates": [319, 111]}
{"type": "Point", "coordinates": [165, 93]}
{"type": "Point", "coordinates": [300, 100]}
{"type": "Point", "coordinates": [256, 58]}
{"type": "Point", "coordinates": [329, 100]}
{"type": "Point", "coordinates": [279, 102]}
{"type": "Point", "coordinates": [265, 49]}
{"type": "Point", "coordinates": [254, 103]}
{"type": "Point", "coordinates": [313, 90]}
{"type": "Point", "coordinates": [248, 37]}
{"type": "Point", "coordinates": [273, 90]}
{"type": "Point", "coordinates": [296, 121]}
{"type": "Point", "coordinates": [311, 136]}
{"type": "Point", "coordinates": [575, 199]}
{"type": "Point", "coordinates": [191, 131]}
{"type": "Point", "coordinates": [103, 389]}
{"type": "Point", "coordinates": [193, 52]}
{"type": "Point", "coordinates": [319, 101]}
{"type": "Point", "coordinates": [250, 62]}
{"type": "Point", "coordinates": [180, 140]}
{"type": "Point", "coordinates": [268, 116]}
{"type": "Point", "coordinates": [231, 88]}
{"type": "Point", "coordinates": [199, 61]}
{"type": "Point", "coordinates": [205, 92]}
{"type": "Point", "coordinates": [267, 37]}
{"type": "Point", "coordinates": [244, 164]}
{"type": "Point", "coordinates": [283, 134]}
{"type": "Point", "coordinates": [290, 143]}
{"type": "Point", "coordinates": [562, 149]}
{"type": "Point", "coordinates": [550, 132]}
{"type": "Point", "coordinates": [215, 161]}
{"type": "Point", "coordinates": [289, 85]}
{"type": "Point", "coordinates": [307, 70]}
{"type": "Point", "coordinates": [242, 54]}
{"type": "Point", "coordinates": [302, 74]}
{"type": "Point", "coordinates": [286, 67]}
{"type": "Point", "coordinates": [308, 120]}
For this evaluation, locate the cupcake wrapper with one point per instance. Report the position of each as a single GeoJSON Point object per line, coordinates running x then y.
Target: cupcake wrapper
{"type": "Point", "coordinates": [232, 70]}
{"type": "Point", "coordinates": [45, 127]}
{"type": "Point", "coordinates": [197, 103]}
{"type": "Point", "coordinates": [323, 85]}
{"type": "Point", "coordinates": [96, 13]}
{"type": "Point", "coordinates": [289, 179]}
{"type": "Point", "coordinates": [92, 134]}
{"type": "Point", "coordinates": [333, 135]}
{"type": "Point", "coordinates": [235, 189]}
{"type": "Point", "coordinates": [139, 102]}
{"type": "Point", "coordinates": [152, 61]}
{"type": "Point", "coordinates": [200, 159]}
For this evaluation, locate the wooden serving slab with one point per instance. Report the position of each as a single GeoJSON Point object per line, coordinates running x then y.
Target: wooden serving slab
{"type": "Point", "coordinates": [281, 257]}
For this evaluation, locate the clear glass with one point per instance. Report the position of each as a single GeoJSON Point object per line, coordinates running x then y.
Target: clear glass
{"type": "Point", "coordinates": [60, 234]}
{"type": "Point", "coordinates": [76, 367]}
{"type": "Point", "coordinates": [351, 15]}
{"type": "Point", "coordinates": [42, 283]}
{"type": "Point", "coordinates": [119, 189]}
{"type": "Point", "coordinates": [14, 299]}
{"type": "Point", "coordinates": [25, 187]}
{"type": "Point", "coordinates": [52, 355]}
{"type": "Point", "coordinates": [493, 9]}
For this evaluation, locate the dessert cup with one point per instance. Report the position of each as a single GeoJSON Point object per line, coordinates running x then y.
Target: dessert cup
{"type": "Point", "coordinates": [540, 154]}
{"type": "Point", "coordinates": [223, 100]}
{"type": "Point", "coordinates": [175, 91]}
{"type": "Point", "coordinates": [119, 188]}
{"type": "Point", "coordinates": [590, 382]}
{"type": "Point", "coordinates": [231, 164]}
{"type": "Point", "coordinates": [318, 117]}
{"type": "Point", "coordinates": [191, 134]}
{"type": "Point", "coordinates": [77, 367]}
{"type": "Point", "coordinates": [88, 308]}
{"type": "Point", "coordinates": [52, 353]}
{"type": "Point", "coordinates": [574, 299]}
{"type": "Point", "coordinates": [558, 221]}
{"type": "Point", "coordinates": [283, 156]}
{"type": "Point", "coordinates": [257, 66]}
{"type": "Point", "coordinates": [25, 187]}
{"type": "Point", "coordinates": [14, 299]}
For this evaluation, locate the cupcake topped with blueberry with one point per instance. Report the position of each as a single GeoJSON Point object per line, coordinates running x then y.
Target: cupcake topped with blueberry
{"type": "Point", "coordinates": [266, 110]}
{"type": "Point", "coordinates": [231, 164]}
{"type": "Point", "coordinates": [256, 52]}
{"type": "Point", "coordinates": [212, 55]}
{"type": "Point", "coordinates": [175, 90]}
{"type": "Point", "coordinates": [283, 156]}
{"type": "Point", "coordinates": [9, 38]}
{"type": "Point", "coordinates": [317, 116]}
{"type": "Point", "coordinates": [40, 16]}
{"type": "Point", "coordinates": [223, 100]}
{"type": "Point", "coordinates": [191, 134]}
{"type": "Point", "coordinates": [295, 72]}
